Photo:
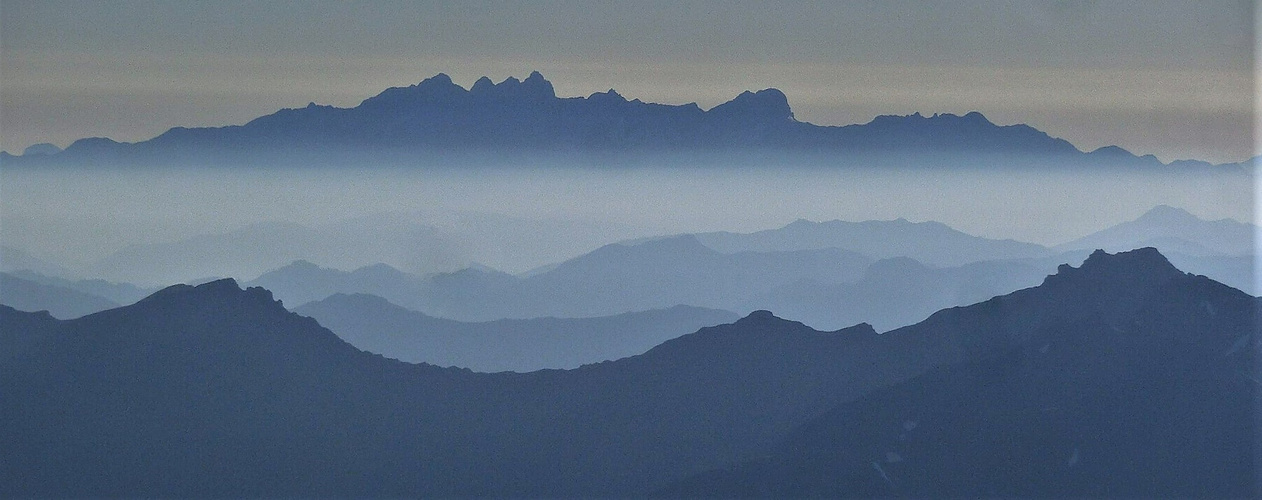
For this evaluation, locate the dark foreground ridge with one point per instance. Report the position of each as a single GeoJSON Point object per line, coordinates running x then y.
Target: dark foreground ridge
{"type": "Point", "coordinates": [1121, 377]}
{"type": "Point", "coordinates": [1150, 390]}
{"type": "Point", "coordinates": [438, 121]}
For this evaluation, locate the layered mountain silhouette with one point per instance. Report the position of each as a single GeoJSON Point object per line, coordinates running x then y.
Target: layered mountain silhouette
{"type": "Point", "coordinates": [217, 391]}
{"type": "Point", "coordinates": [613, 279]}
{"type": "Point", "coordinates": [375, 325]}
{"type": "Point", "coordinates": [805, 269]}
{"type": "Point", "coordinates": [1145, 385]}
{"type": "Point", "coordinates": [438, 119]}
{"type": "Point", "coordinates": [438, 241]}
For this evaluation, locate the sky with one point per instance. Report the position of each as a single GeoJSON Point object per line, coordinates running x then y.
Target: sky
{"type": "Point", "coordinates": [1174, 79]}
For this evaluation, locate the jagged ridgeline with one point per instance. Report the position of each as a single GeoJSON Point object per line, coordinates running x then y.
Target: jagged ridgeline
{"type": "Point", "coordinates": [1123, 377]}
{"type": "Point", "coordinates": [437, 122]}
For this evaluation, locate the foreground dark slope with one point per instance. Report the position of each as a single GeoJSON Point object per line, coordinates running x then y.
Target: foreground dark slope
{"type": "Point", "coordinates": [212, 390]}
{"type": "Point", "coordinates": [1145, 385]}
{"type": "Point", "coordinates": [375, 325]}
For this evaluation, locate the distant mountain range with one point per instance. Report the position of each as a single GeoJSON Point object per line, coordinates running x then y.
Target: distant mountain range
{"type": "Point", "coordinates": [816, 272]}
{"type": "Point", "coordinates": [422, 243]}
{"type": "Point", "coordinates": [1122, 377]}
{"type": "Point", "coordinates": [613, 279]}
{"type": "Point", "coordinates": [806, 270]}
{"type": "Point", "coordinates": [932, 243]}
{"type": "Point", "coordinates": [514, 120]}
{"type": "Point", "coordinates": [375, 325]}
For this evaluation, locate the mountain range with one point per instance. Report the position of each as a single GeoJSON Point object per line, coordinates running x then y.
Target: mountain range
{"type": "Point", "coordinates": [518, 120]}
{"type": "Point", "coordinates": [1121, 377]}
{"type": "Point", "coordinates": [806, 270]}
{"type": "Point", "coordinates": [932, 243]}
{"type": "Point", "coordinates": [1148, 393]}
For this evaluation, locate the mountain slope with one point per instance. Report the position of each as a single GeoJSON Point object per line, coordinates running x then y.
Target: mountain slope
{"type": "Point", "coordinates": [216, 391]}
{"type": "Point", "coordinates": [1151, 392]}
{"type": "Point", "coordinates": [373, 324]}
{"type": "Point", "coordinates": [439, 120]}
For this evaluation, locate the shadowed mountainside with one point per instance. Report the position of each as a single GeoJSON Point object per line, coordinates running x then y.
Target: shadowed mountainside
{"type": "Point", "coordinates": [1145, 391]}
{"type": "Point", "coordinates": [217, 391]}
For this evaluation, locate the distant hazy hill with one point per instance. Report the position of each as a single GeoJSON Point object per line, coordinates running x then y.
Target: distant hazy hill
{"type": "Point", "coordinates": [121, 293]}
{"type": "Point", "coordinates": [62, 302]}
{"type": "Point", "coordinates": [1173, 230]}
{"type": "Point", "coordinates": [1122, 378]}
{"type": "Point", "coordinates": [518, 119]}
{"type": "Point", "coordinates": [930, 242]}
{"type": "Point", "coordinates": [301, 282]}
{"type": "Point", "coordinates": [13, 259]}
{"type": "Point", "coordinates": [373, 324]}
{"type": "Point", "coordinates": [901, 291]}
{"type": "Point", "coordinates": [256, 248]}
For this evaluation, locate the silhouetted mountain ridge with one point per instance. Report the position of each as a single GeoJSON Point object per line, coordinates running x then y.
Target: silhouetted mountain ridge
{"type": "Point", "coordinates": [438, 119]}
{"type": "Point", "coordinates": [217, 391]}
{"type": "Point", "coordinates": [1123, 377]}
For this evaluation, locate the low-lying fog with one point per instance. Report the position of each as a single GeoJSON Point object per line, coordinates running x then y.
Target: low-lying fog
{"type": "Point", "coordinates": [516, 219]}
